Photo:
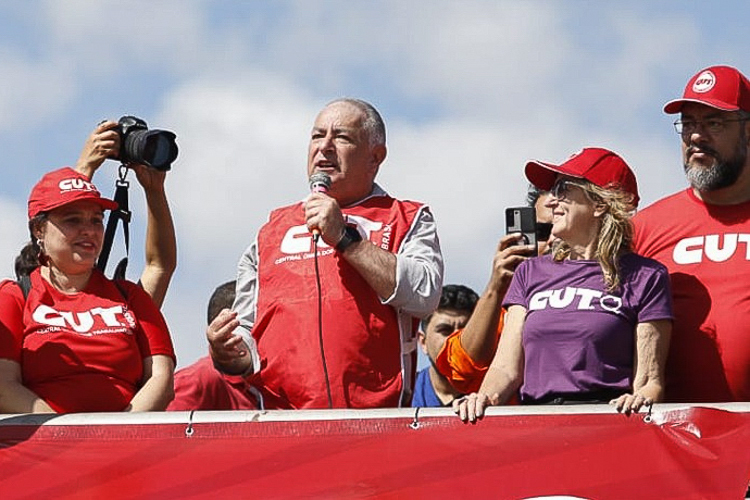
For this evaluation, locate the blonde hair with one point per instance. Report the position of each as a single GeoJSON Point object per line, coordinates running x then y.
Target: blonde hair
{"type": "Point", "coordinates": [615, 236]}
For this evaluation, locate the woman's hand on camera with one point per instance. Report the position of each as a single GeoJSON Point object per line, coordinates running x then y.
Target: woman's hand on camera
{"type": "Point", "coordinates": [151, 179]}
{"type": "Point", "coordinates": [103, 143]}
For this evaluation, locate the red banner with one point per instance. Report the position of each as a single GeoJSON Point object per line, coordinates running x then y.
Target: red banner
{"type": "Point", "coordinates": [514, 453]}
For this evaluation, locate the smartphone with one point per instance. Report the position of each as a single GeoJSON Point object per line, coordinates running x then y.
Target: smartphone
{"type": "Point", "coordinates": [522, 220]}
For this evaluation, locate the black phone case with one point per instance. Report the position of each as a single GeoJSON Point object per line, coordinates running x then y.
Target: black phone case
{"type": "Point", "coordinates": [522, 220]}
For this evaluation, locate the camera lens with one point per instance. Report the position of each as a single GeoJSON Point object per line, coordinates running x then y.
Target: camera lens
{"type": "Point", "coordinates": [155, 148]}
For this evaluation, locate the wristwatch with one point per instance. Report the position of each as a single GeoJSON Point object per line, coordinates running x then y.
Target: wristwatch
{"type": "Point", "coordinates": [349, 236]}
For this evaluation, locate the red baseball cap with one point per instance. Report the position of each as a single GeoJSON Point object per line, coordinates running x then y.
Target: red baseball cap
{"type": "Point", "coordinates": [597, 165]}
{"type": "Point", "coordinates": [61, 187]}
{"type": "Point", "coordinates": [721, 87]}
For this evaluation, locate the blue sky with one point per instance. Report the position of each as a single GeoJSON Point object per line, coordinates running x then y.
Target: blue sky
{"type": "Point", "coordinates": [469, 90]}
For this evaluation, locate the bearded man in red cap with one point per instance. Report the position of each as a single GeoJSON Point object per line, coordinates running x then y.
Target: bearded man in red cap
{"type": "Point", "coordinates": [702, 235]}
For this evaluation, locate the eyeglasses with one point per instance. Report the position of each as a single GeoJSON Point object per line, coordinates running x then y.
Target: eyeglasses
{"type": "Point", "coordinates": [561, 188]}
{"type": "Point", "coordinates": [713, 126]}
{"type": "Point", "coordinates": [543, 231]}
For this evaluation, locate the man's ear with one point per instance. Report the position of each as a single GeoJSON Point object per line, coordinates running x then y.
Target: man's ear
{"type": "Point", "coordinates": [422, 341]}
{"type": "Point", "coordinates": [378, 154]}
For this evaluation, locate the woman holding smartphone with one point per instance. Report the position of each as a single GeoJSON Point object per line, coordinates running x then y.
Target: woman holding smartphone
{"type": "Point", "coordinates": [590, 321]}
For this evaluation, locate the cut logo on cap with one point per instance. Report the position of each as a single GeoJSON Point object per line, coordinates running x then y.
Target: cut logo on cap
{"type": "Point", "coordinates": [704, 82]}
{"type": "Point", "coordinates": [76, 184]}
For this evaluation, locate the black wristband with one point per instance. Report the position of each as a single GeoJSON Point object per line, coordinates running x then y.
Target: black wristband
{"type": "Point", "coordinates": [349, 236]}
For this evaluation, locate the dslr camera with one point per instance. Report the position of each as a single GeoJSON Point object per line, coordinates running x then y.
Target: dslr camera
{"type": "Point", "coordinates": [154, 148]}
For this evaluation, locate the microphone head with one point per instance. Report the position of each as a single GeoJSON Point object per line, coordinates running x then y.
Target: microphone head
{"type": "Point", "coordinates": [320, 182]}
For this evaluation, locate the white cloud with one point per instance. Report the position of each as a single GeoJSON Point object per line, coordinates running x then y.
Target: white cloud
{"type": "Point", "coordinates": [32, 90]}
{"type": "Point", "coordinates": [13, 234]}
{"type": "Point", "coordinates": [108, 37]}
{"type": "Point", "coordinates": [242, 152]}
{"type": "Point", "coordinates": [480, 58]}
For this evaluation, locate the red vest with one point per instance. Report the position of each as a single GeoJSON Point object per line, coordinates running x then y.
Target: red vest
{"type": "Point", "coordinates": [362, 343]}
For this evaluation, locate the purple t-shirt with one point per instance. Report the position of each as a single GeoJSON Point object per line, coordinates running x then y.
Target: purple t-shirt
{"type": "Point", "coordinates": [577, 337]}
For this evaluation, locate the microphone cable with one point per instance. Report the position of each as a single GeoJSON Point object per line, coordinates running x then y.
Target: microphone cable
{"type": "Point", "coordinates": [316, 237]}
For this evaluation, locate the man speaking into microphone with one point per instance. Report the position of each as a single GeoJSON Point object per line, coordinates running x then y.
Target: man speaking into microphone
{"type": "Point", "coordinates": [330, 292]}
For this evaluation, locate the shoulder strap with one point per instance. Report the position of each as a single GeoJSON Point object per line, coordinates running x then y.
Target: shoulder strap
{"type": "Point", "coordinates": [122, 213]}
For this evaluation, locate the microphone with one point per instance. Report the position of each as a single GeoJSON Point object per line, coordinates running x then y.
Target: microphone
{"type": "Point", "coordinates": [320, 182]}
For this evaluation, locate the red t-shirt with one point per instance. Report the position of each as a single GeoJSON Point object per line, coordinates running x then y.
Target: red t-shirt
{"type": "Point", "coordinates": [707, 251]}
{"type": "Point", "coordinates": [81, 352]}
{"type": "Point", "coordinates": [200, 386]}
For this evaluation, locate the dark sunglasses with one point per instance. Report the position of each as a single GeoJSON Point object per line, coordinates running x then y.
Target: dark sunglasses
{"type": "Point", "coordinates": [543, 231]}
{"type": "Point", "coordinates": [561, 188]}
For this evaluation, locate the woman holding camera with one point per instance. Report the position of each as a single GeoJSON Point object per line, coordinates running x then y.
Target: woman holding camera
{"type": "Point", "coordinates": [161, 244]}
{"type": "Point", "coordinates": [77, 341]}
{"type": "Point", "coordinates": [590, 321]}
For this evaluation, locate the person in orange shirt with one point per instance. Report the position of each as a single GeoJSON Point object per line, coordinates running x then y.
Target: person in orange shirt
{"type": "Point", "coordinates": [468, 352]}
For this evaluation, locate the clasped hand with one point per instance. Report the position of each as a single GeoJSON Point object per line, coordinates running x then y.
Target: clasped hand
{"type": "Point", "coordinates": [322, 213]}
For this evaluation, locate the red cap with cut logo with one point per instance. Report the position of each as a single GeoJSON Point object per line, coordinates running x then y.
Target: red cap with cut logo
{"type": "Point", "coordinates": [597, 165]}
{"type": "Point", "coordinates": [61, 187]}
{"type": "Point", "coordinates": [721, 87]}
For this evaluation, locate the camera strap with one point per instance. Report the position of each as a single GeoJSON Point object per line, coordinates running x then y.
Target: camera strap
{"type": "Point", "coordinates": [122, 213]}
